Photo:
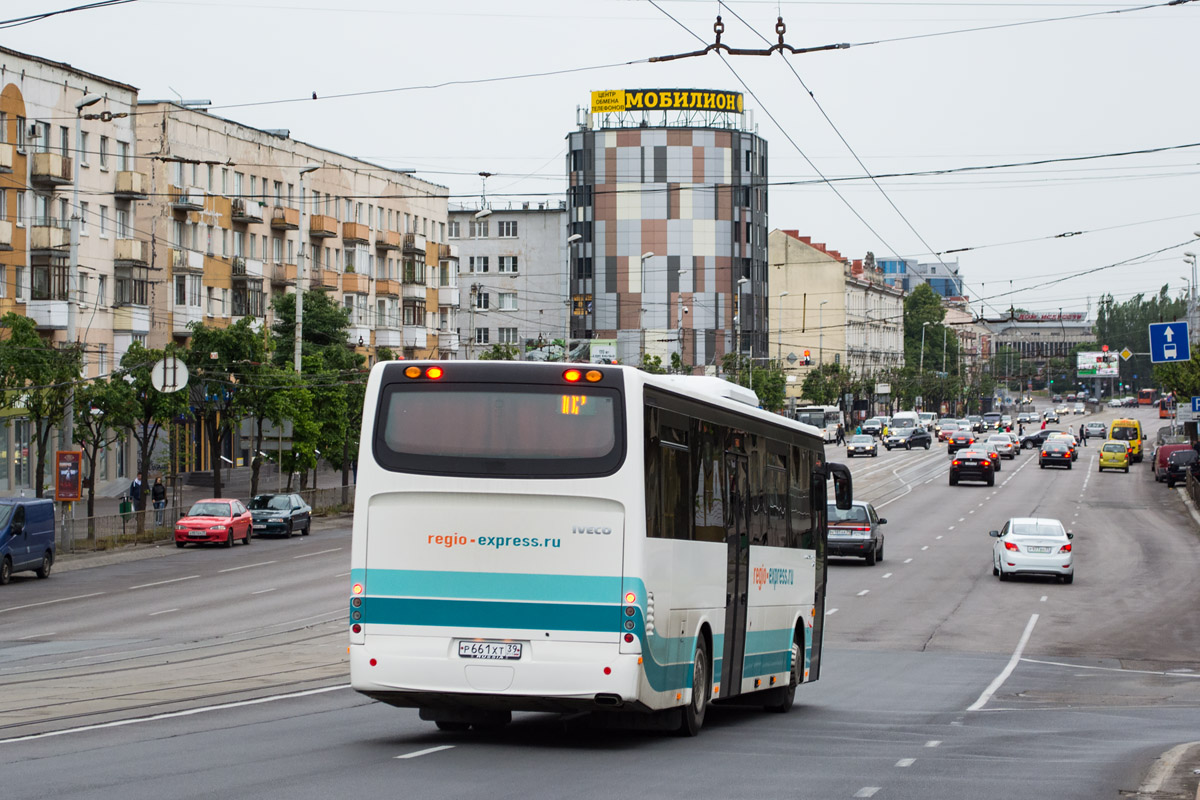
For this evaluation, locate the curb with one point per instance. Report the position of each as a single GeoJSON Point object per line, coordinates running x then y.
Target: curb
{"type": "Point", "coordinates": [1173, 774]}
{"type": "Point", "coordinates": [69, 562]}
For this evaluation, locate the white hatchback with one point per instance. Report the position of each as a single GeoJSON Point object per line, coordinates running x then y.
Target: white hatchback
{"type": "Point", "coordinates": [1033, 546]}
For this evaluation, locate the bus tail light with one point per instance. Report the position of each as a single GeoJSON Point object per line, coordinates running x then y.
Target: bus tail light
{"type": "Point", "coordinates": [593, 375]}
{"type": "Point", "coordinates": [358, 589]}
{"type": "Point", "coordinates": [434, 373]}
{"type": "Point", "coordinates": [572, 376]}
{"type": "Point", "coordinates": [356, 628]}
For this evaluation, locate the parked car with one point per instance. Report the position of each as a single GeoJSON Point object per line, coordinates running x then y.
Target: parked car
{"type": "Point", "coordinates": [972, 465]}
{"type": "Point", "coordinates": [1114, 455]}
{"type": "Point", "coordinates": [26, 536]}
{"type": "Point", "coordinates": [1002, 444]}
{"type": "Point", "coordinates": [220, 520]}
{"type": "Point", "coordinates": [908, 438]}
{"type": "Point", "coordinates": [1055, 452]}
{"type": "Point", "coordinates": [855, 531]}
{"type": "Point", "coordinates": [1179, 464]}
{"type": "Point", "coordinates": [1096, 430]}
{"type": "Point", "coordinates": [282, 514]}
{"type": "Point", "coordinates": [861, 445]}
{"type": "Point", "coordinates": [1160, 458]}
{"type": "Point", "coordinates": [1033, 546]}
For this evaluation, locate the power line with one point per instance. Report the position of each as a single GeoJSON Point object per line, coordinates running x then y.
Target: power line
{"type": "Point", "coordinates": [16, 22]}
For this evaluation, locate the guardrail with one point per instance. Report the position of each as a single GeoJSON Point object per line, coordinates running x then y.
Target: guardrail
{"type": "Point", "coordinates": [114, 531]}
{"type": "Point", "coordinates": [1193, 489]}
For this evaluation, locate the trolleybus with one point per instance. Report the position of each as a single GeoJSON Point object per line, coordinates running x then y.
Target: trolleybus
{"type": "Point", "coordinates": [546, 537]}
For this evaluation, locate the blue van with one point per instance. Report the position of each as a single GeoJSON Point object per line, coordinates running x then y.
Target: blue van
{"type": "Point", "coordinates": [26, 536]}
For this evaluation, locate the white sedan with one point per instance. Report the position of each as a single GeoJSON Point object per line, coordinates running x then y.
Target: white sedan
{"type": "Point", "coordinates": [1033, 546]}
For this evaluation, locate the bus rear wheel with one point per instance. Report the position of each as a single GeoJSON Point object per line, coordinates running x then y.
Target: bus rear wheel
{"type": "Point", "coordinates": [693, 713]}
{"type": "Point", "coordinates": [780, 699]}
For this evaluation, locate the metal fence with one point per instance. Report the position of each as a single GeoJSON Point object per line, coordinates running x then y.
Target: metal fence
{"type": "Point", "coordinates": [114, 531]}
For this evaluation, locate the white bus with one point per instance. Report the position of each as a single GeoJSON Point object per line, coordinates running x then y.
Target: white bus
{"type": "Point", "coordinates": [550, 537]}
{"type": "Point", "coordinates": [826, 418]}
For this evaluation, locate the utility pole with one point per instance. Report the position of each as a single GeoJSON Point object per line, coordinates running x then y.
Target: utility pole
{"type": "Point", "coordinates": [299, 332]}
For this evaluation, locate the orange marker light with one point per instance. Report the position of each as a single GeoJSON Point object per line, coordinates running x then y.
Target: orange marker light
{"type": "Point", "coordinates": [357, 588]}
{"type": "Point", "coordinates": [433, 372]}
{"type": "Point", "coordinates": [594, 375]}
{"type": "Point", "coordinates": [630, 597]}
{"type": "Point", "coordinates": [412, 372]}
{"type": "Point", "coordinates": [572, 375]}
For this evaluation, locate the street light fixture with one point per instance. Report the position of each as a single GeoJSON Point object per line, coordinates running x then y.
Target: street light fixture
{"type": "Point", "coordinates": [779, 327]}
{"type": "Point", "coordinates": [307, 168]}
{"type": "Point", "coordinates": [924, 325]}
{"type": "Point", "coordinates": [571, 240]}
{"type": "Point", "coordinates": [741, 282]}
{"type": "Point", "coordinates": [679, 312]}
{"type": "Point", "coordinates": [821, 334]}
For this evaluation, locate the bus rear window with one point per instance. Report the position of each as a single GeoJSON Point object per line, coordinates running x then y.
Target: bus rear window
{"type": "Point", "coordinates": [500, 430]}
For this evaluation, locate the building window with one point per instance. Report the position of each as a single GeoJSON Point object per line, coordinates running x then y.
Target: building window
{"type": "Point", "coordinates": [481, 301]}
{"type": "Point", "coordinates": [104, 152]}
{"type": "Point", "coordinates": [481, 336]}
{"type": "Point", "coordinates": [210, 300]}
{"type": "Point", "coordinates": [131, 285]}
{"type": "Point", "coordinates": [506, 335]}
{"type": "Point", "coordinates": [453, 229]}
{"type": "Point", "coordinates": [478, 264]}
{"type": "Point", "coordinates": [479, 229]}
{"type": "Point", "coordinates": [3, 281]}
{"type": "Point", "coordinates": [123, 224]}
{"type": "Point", "coordinates": [101, 360]}
{"type": "Point", "coordinates": [508, 265]}
{"type": "Point", "coordinates": [104, 221]}
{"type": "Point", "coordinates": [20, 208]}
{"type": "Point", "coordinates": [101, 290]}
{"type": "Point", "coordinates": [83, 149]}
{"type": "Point", "coordinates": [508, 301]}
{"type": "Point", "coordinates": [508, 230]}
{"type": "Point", "coordinates": [83, 211]}
{"type": "Point", "coordinates": [19, 287]}
{"type": "Point", "coordinates": [21, 134]}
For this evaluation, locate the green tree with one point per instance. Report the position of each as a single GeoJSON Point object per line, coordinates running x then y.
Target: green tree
{"type": "Point", "coordinates": [768, 382]}
{"type": "Point", "coordinates": [37, 378]}
{"type": "Point", "coordinates": [652, 364]}
{"type": "Point", "coordinates": [499, 352]}
{"type": "Point", "coordinates": [98, 407]}
{"type": "Point", "coordinates": [1127, 324]}
{"type": "Point", "coordinates": [825, 385]}
{"type": "Point", "coordinates": [266, 393]}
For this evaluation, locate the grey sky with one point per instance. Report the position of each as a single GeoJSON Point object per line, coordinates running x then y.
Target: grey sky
{"type": "Point", "coordinates": [1078, 87]}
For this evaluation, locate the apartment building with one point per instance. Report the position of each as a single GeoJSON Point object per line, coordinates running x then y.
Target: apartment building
{"type": "Point", "coordinates": [225, 219]}
{"type": "Point", "coordinates": [62, 131]}
{"type": "Point", "coordinates": [514, 277]}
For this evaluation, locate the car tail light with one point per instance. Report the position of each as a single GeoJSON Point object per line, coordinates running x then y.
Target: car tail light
{"type": "Point", "coordinates": [954, 463]}
{"type": "Point", "coordinates": [1011, 546]}
{"type": "Point", "coordinates": [993, 455]}
{"type": "Point", "coordinates": [1044, 453]}
{"type": "Point", "coordinates": [1066, 548]}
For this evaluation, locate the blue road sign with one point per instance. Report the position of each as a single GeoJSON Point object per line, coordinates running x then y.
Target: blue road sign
{"type": "Point", "coordinates": [1196, 405]}
{"type": "Point", "coordinates": [1169, 342]}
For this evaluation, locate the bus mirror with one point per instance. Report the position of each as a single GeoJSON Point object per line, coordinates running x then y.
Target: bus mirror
{"type": "Point", "coordinates": [843, 485]}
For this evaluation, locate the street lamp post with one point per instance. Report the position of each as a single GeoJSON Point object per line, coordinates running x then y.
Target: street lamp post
{"type": "Point", "coordinates": [571, 240]}
{"type": "Point", "coordinates": [779, 327]}
{"type": "Point", "coordinates": [924, 325]}
{"type": "Point", "coordinates": [68, 426]}
{"type": "Point", "coordinates": [1190, 259]}
{"type": "Point", "coordinates": [297, 345]}
{"type": "Point", "coordinates": [741, 314]}
{"type": "Point", "coordinates": [679, 309]}
{"type": "Point", "coordinates": [821, 334]}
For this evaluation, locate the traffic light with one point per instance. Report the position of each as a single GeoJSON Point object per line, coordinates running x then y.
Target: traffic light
{"type": "Point", "coordinates": [807, 358]}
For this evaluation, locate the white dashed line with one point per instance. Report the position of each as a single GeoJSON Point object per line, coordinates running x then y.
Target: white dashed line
{"type": "Point", "coordinates": [427, 751]}
{"type": "Point", "coordinates": [831, 611]}
{"type": "Point", "coordinates": [962, 519]}
{"type": "Point", "coordinates": [905, 762]}
{"type": "Point", "coordinates": [933, 742]}
{"type": "Point", "coordinates": [864, 591]}
{"type": "Point", "coordinates": [342, 575]}
{"type": "Point", "coordinates": [163, 583]}
{"type": "Point", "coordinates": [938, 536]}
{"type": "Point", "coordinates": [926, 547]}
{"type": "Point", "coordinates": [164, 611]}
{"type": "Point", "coordinates": [1043, 599]}
{"type": "Point", "coordinates": [246, 566]}
{"type": "Point", "coordinates": [50, 602]}
{"type": "Point", "coordinates": [950, 528]}
{"type": "Point", "coordinates": [263, 591]}
{"type": "Point", "coordinates": [908, 561]}
{"type": "Point", "coordinates": [866, 791]}
{"type": "Point", "coordinates": [38, 636]}
{"type": "Point", "coordinates": [887, 575]}
{"type": "Point", "coordinates": [972, 511]}
{"type": "Point", "coordinates": [319, 553]}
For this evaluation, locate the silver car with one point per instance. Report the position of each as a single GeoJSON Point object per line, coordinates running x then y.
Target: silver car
{"type": "Point", "coordinates": [1002, 443]}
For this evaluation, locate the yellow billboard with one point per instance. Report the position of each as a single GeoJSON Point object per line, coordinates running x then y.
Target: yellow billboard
{"type": "Point", "coordinates": [607, 101]}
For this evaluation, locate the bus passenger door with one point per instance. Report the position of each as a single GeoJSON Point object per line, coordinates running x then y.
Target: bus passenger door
{"type": "Point", "coordinates": [737, 539]}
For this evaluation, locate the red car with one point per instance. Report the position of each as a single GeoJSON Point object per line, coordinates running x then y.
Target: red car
{"type": "Point", "coordinates": [220, 520]}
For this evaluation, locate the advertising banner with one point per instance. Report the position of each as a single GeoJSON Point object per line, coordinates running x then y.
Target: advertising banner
{"type": "Point", "coordinates": [68, 483]}
{"type": "Point", "coordinates": [1098, 365]}
{"type": "Point", "coordinates": [609, 101]}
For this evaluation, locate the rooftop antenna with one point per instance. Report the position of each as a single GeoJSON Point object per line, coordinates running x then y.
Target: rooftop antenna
{"type": "Point", "coordinates": [483, 176]}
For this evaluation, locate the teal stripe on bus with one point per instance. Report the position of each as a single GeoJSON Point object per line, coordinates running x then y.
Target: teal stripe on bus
{"type": "Point", "coordinates": [601, 589]}
{"type": "Point", "coordinates": [491, 614]}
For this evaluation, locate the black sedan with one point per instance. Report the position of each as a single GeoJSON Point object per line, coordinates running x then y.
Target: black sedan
{"type": "Point", "coordinates": [960, 439]}
{"type": "Point", "coordinates": [972, 465]}
{"type": "Point", "coordinates": [282, 514]}
{"type": "Point", "coordinates": [1055, 452]}
{"type": "Point", "coordinates": [1031, 441]}
{"type": "Point", "coordinates": [908, 438]}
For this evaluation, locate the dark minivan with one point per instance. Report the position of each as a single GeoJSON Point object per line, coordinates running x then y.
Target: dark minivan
{"type": "Point", "coordinates": [26, 536]}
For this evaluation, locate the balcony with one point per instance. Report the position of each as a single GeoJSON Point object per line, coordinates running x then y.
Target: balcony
{"type": "Point", "coordinates": [389, 337]}
{"type": "Point", "coordinates": [448, 340]}
{"type": "Point", "coordinates": [131, 319]}
{"type": "Point", "coordinates": [187, 261]}
{"type": "Point", "coordinates": [131, 253]}
{"type": "Point", "coordinates": [413, 291]}
{"type": "Point", "coordinates": [356, 282]}
{"type": "Point", "coordinates": [189, 199]}
{"type": "Point", "coordinates": [322, 226]}
{"type": "Point", "coordinates": [6, 230]}
{"type": "Point", "coordinates": [358, 335]}
{"type": "Point", "coordinates": [48, 314]}
{"type": "Point", "coordinates": [285, 219]}
{"type": "Point", "coordinates": [283, 274]}
{"type": "Point", "coordinates": [448, 296]}
{"type": "Point", "coordinates": [386, 288]}
{"type": "Point", "coordinates": [387, 240]}
{"type": "Point", "coordinates": [6, 158]}
{"type": "Point", "coordinates": [414, 336]}
{"type": "Point", "coordinates": [49, 234]}
{"type": "Point", "coordinates": [50, 169]}
{"type": "Point", "coordinates": [131, 186]}
{"type": "Point", "coordinates": [246, 269]}
{"type": "Point", "coordinates": [447, 252]}
{"type": "Point", "coordinates": [324, 279]}
{"type": "Point", "coordinates": [182, 316]}
{"type": "Point", "coordinates": [414, 243]}
{"type": "Point", "coordinates": [243, 210]}
{"type": "Point", "coordinates": [355, 233]}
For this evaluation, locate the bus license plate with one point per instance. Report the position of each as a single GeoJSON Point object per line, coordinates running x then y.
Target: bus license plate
{"type": "Point", "coordinates": [490, 650]}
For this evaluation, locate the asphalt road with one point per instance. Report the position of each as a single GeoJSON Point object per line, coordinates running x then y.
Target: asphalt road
{"type": "Point", "coordinates": [217, 672]}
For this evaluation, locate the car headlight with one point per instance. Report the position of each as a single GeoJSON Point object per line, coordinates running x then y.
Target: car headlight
{"type": "Point", "coordinates": [218, 528]}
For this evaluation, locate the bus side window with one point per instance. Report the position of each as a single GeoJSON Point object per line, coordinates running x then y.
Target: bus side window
{"type": "Point", "coordinates": [776, 496]}
{"type": "Point", "coordinates": [800, 509]}
{"type": "Point", "coordinates": [709, 522]}
{"type": "Point", "coordinates": [757, 489]}
{"type": "Point", "coordinates": [668, 476]}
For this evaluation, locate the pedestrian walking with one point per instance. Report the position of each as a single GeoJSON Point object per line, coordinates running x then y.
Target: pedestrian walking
{"type": "Point", "coordinates": [1043, 423]}
{"type": "Point", "coordinates": [158, 495]}
{"type": "Point", "coordinates": [841, 435]}
{"type": "Point", "coordinates": [135, 491]}
{"type": "Point", "coordinates": [1083, 434]}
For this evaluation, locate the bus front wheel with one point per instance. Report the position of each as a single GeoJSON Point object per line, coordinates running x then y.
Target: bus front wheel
{"type": "Point", "coordinates": [693, 712]}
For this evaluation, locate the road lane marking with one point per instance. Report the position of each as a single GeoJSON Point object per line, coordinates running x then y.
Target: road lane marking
{"type": "Point", "coordinates": [173, 714]}
{"type": "Point", "coordinates": [905, 762]}
{"type": "Point", "coordinates": [950, 528]}
{"type": "Point", "coordinates": [263, 591]}
{"type": "Point", "coordinates": [831, 611]}
{"type": "Point", "coordinates": [933, 742]}
{"type": "Point", "coordinates": [1115, 669]}
{"type": "Point", "coordinates": [164, 583]}
{"type": "Point", "coordinates": [972, 511]}
{"type": "Point", "coordinates": [930, 480]}
{"type": "Point", "coordinates": [427, 751]}
{"type": "Point", "coordinates": [926, 547]}
{"type": "Point", "coordinates": [319, 552]}
{"type": "Point", "coordinates": [246, 566]}
{"type": "Point", "coordinates": [864, 591]}
{"type": "Point", "coordinates": [50, 602]}
{"type": "Point", "coordinates": [164, 611]}
{"type": "Point", "coordinates": [1043, 598]}
{"type": "Point", "coordinates": [999, 680]}
{"type": "Point", "coordinates": [866, 791]}
{"type": "Point", "coordinates": [962, 519]}
{"type": "Point", "coordinates": [342, 575]}
{"type": "Point", "coordinates": [907, 560]}
{"type": "Point", "coordinates": [38, 636]}
{"type": "Point", "coordinates": [938, 536]}
{"type": "Point", "coordinates": [887, 575]}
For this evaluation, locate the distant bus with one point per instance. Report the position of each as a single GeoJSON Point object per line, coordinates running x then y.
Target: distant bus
{"type": "Point", "coordinates": [551, 537]}
{"type": "Point", "coordinates": [826, 418]}
{"type": "Point", "coordinates": [1146, 397]}
{"type": "Point", "coordinates": [1166, 407]}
